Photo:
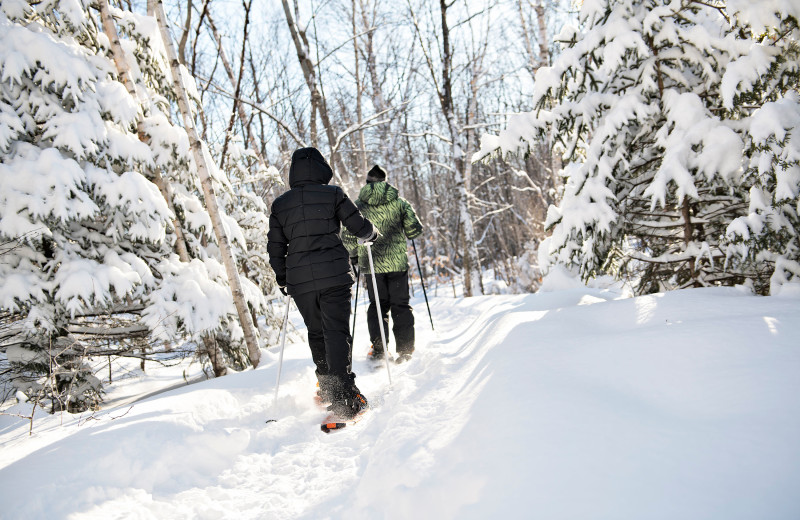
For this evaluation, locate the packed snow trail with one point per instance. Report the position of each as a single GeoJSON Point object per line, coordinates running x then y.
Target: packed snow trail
{"type": "Point", "coordinates": [568, 404]}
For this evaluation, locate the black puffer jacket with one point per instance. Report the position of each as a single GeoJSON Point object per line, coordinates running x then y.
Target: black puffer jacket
{"type": "Point", "coordinates": [304, 247]}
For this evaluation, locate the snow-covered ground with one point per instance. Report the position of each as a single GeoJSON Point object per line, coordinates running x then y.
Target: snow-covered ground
{"type": "Point", "coordinates": [572, 404]}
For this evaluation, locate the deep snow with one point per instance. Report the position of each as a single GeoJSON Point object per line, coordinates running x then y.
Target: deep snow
{"type": "Point", "coordinates": [569, 404]}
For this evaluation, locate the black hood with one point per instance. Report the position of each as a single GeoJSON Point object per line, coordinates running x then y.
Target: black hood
{"type": "Point", "coordinates": [308, 167]}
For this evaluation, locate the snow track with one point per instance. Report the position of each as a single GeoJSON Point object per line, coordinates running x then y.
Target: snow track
{"type": "Point", "coordinates": [570, 404]}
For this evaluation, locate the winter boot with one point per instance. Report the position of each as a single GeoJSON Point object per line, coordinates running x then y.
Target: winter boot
{"type": "Point", "coordinates": [375, 353]}
{"type": "Point", "coordinates": [402, 358]}
{"type": "Point", "coordinates": [325, 389]}
{"type": "Point", "coordinates": [348, 403]}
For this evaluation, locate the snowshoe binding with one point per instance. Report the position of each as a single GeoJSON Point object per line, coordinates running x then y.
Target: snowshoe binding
{"type": "Point", "coordinates": [345, 411]}
{"type": "Point", "coordinates": [375, 355]}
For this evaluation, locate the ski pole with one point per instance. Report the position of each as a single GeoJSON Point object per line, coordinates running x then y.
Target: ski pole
{"type": "Point", "coordinates": [378, 308]}
{"type": "Point", "coordinates": [283, 344]}
{"type": "Point", "coordinates": [422, 282]}
{"type": "Point", "coordinates": [355, 306]}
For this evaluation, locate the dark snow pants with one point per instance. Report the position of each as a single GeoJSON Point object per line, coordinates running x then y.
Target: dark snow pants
{"type": "Point", "coordinates": [326, 314]}
{"type": "Point", "coordinates": [393, 297]}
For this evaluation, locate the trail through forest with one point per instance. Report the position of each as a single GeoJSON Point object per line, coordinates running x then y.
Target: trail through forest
{"type": "Point", "coordinates": [574, 404]}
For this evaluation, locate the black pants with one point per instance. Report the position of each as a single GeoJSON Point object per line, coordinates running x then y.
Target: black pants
{"type": "Point", "coordinates": [393, 297]}
{"type": "Point", "coordinates": [326, 314]}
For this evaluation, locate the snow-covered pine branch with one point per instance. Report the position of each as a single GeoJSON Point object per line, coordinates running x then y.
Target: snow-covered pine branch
{"type": "Point", "coordinates": [673, 115]}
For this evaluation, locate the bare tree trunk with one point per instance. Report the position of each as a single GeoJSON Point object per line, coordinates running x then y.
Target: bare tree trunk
{"type": "Point", "coordinates": [185, 34]}
{"type": "Point", "coordinates": [535, 62]}
{"type": "Point", "coordinates": [237, 83]}
{"type": "Point", "coordinates": [544, 42]}
{"type": "Point", "coordinates": [243, 119]}
{"type": "Point", "coordinates": [212, 206]}
{"type": "Point", "coordinates": [214, 354]}
{"type": "Point", "coordinates": [317, 99]}
{"type": "Point", "coordinates": [688, 231]}
{"type": "Point", "coordinates": [377, 94]}
{"type": "Point", "coordinates": [472, 275]}
{"type": "Point", "coordinates": [470, 247]}
{"type": "Point", "coordinates": [203, 13]}
{"type": "Point", "coordinates": [532, 66]}
{"type": "Point", "coordinates": [387, 139]}
{"type": "Point", "coordinates": [362, 147]}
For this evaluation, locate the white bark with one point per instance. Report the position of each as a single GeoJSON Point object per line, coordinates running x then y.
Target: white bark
{"type": "Point", "coordinates": [156, 7]}
{"type": "Point", "coordinates": [123, 70]}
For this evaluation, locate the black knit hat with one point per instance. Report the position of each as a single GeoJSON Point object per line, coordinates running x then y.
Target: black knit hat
{"type": "Point", "coordinates": [376, 174]}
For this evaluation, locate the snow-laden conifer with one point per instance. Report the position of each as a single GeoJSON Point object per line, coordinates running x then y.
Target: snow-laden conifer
{"type": "Point", "coordinates": [178, 303]}
{"type": "Point", "coordinates": [640, 103]}
{"type": "Point", "coordinates": [761, 87]}
{"type": "Point", "coordinates": [83, 220]}
{"type": "Point", "coordinates": [88, 230]}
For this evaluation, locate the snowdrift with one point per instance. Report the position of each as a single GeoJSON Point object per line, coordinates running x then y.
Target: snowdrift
{"type": "Point", "coordinates": [568, 404]}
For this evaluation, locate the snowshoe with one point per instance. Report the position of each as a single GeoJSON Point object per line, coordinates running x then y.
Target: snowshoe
{"type": "Point", "coordinates": [345, 411]}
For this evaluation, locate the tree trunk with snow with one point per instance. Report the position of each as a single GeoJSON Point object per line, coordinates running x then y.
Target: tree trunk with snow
{"type": "Point", "coordinates": [228, 261]}
{"type": "Point", "coordinates": [212, 350]}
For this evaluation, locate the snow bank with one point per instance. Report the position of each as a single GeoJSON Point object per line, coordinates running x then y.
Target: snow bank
{"type": "Point", "coordinates": [571, 403]}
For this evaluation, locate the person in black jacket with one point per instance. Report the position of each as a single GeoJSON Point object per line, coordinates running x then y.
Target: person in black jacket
{"type": "Point", "coordinates": [313, 266]}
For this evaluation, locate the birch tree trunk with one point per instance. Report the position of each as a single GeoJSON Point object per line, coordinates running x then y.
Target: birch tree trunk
{"type": "Point", "coordinates": [156, 7]}
{"type": "Point", "coordinates": [123, 70]}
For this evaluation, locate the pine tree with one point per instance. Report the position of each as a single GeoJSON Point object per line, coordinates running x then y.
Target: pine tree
{"type": "Point", "coordinates": [655, 174]}
{"type": "Point", "coordinates": [84, 221]}
{"type": "Point", "coordinates": [90, 231]}
{"type": "Point", "coordinates": [761, 87]}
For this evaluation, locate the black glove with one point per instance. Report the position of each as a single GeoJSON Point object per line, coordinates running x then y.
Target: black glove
{"type": "Point", "coordinates": [354, 263]}
{"type": "Point", "coordinates": [371, 238]}
{"type": "Point", "coordinates": [282, 289]}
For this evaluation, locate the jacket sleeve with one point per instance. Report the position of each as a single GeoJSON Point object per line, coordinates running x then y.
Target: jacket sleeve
{"type": "Point", "coordinates": [350, 243]}
{"type": "Point", "coordinates": [352, 219]}
{"type": "Point", "coordinates": [277, 248]}
{"type": "Point", "coordinates": [411, 224]}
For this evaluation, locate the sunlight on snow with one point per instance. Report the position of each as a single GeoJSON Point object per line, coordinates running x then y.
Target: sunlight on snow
{"type": "Point", "coordinates": [772, 325]}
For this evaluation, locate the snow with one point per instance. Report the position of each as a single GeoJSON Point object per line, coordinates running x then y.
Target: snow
{"type": "Point", "coordinates": [572, 403]}
{"type": "Point", "coordinates": [761, 15]}
{"type": "Point", "coordinates": [49, 179]}
{"type": "Point", "coordinates": [20, 354]}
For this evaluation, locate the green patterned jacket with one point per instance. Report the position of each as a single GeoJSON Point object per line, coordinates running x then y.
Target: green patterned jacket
{"type": "Point", "coordinates": [395, 218]}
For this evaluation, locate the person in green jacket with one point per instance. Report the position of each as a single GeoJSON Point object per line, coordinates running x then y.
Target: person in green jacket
{"type": "Point", "coordinates": [380, 202]}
